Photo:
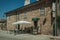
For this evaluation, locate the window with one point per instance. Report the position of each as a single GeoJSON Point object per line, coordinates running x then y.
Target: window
{"type": "Point", "coordinates": [8, 17]}
{"type": "Point", "coordinates": [18, 16]}
{"type": "Point", "coordinates": [42, 11]}
{"type": "Point", "coordinates": [25, 15]}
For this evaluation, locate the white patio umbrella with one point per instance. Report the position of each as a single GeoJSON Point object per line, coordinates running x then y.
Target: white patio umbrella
{"type": "Point", "coordinates": [22, 22]}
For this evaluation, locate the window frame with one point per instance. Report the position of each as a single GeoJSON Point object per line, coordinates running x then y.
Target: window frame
{"type": "Point", "coordinates": [25, 15]}
{"type": "Point", "coordinates": [8, 17]}
{"type": "Point", "coordinates": [42, 11]}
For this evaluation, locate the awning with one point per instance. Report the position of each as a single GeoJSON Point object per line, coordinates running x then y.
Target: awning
{"type": "Point", "coordinates": [22, 22]}
{"type": "Point", "coordinates": [35, 19]}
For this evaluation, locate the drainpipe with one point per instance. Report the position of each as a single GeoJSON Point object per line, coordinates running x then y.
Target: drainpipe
{"type": "Point", "coordinates": [56, 19]}
{"type": "Point", "coordinates": [54, 9]}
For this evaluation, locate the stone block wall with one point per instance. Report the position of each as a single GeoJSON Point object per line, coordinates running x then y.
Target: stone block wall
{"type": "Point", "coordinates": [44, 29]}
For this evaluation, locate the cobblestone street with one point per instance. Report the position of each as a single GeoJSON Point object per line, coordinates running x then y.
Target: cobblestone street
{"type": "Point", "coordinates": [4, 35]}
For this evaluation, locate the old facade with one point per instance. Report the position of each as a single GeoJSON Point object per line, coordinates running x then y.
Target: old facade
{"type": "Point", "coordinates": [37, 9]}
{"type": "Point", "coordinates": [3, 24]}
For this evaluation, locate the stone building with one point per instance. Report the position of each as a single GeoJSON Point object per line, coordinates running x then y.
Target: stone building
{"type": "Point", "coordinates": [39, 9]}
{"type": "Point", "coordinates": [3, 24]}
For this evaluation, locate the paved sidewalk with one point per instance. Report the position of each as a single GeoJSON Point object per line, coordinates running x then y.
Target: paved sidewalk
{"type": "Point", "coordinates": [4, 35]}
